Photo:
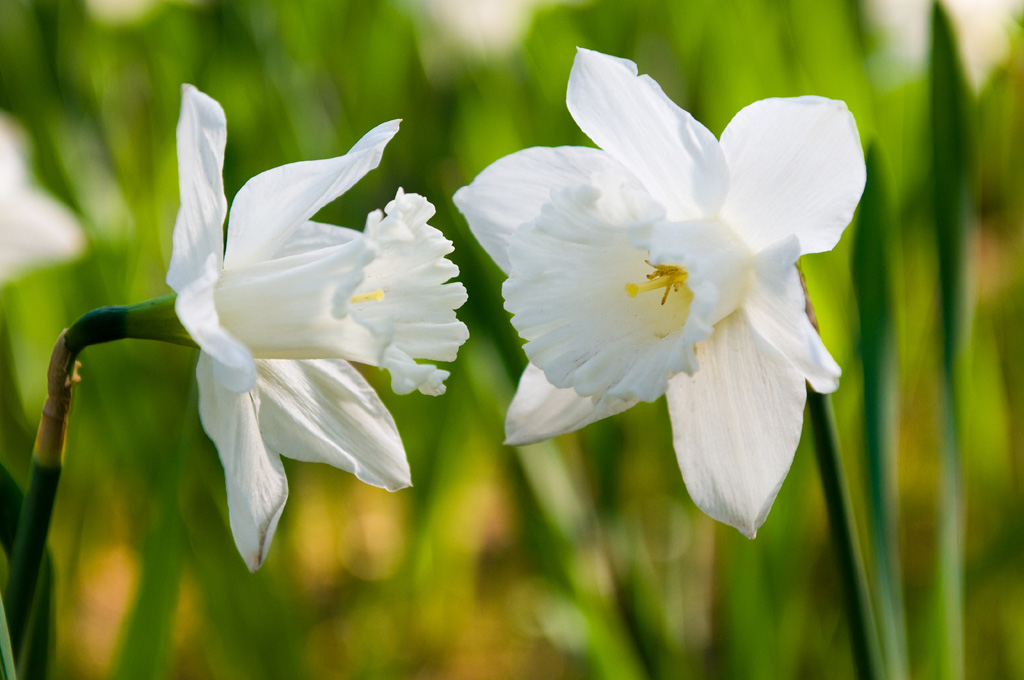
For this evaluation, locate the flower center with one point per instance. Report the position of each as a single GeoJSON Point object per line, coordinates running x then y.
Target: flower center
{"type": "Point", "coordinates": [667, 276]}
{"type": "Point", "coordinates": [366, 297]}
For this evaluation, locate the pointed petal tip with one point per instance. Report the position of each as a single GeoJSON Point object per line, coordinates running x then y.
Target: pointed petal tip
{"type": "Point", "coordinates": [254, 562]}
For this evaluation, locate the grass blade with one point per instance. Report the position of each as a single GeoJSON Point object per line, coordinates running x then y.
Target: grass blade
{"type": "Point", "coordinates": [871, 276]}
{"type": "Point", "coordinates": [952, 207]}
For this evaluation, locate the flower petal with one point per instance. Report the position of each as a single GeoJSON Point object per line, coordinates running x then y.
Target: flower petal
{"type": "Point", "coordinates": [312, 236]}
{"type": "Point", "coordinates": [540, 410]}
{"type": "Point", "coordinates": [256, 485]}
{"type": "Point", "coordinates": [568, 293]}
{"type": "Point", "coordinates": [776, 307]}
{"type": "Point", "coordinates": [199, 229]}
{"type": "Point", "coordinates": [796, 167]}
{"type": "Point", "coordinates": [273, 204]}
{"type": "Point", "coordinates": [511, 191]}
{"type": "Point", "coordinates": [736, 424]}
{"type": "Point", "coordinates": [676, 158]}
{"type": "Point", "coordinates": [233, 364]}
{"type": "Point", "coordinates": [323, 411]}
{"type": "Point", "coordinates": [407, 309]}
{"type": "Point", "coordinates": [282, 308]}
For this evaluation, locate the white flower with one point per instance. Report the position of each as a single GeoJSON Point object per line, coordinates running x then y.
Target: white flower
{"type": "Point", "coordinates": [983, 30]}
{"type": "Point", "coordinates": [663, 263]}
{"type": "Point", "coordinates": [453, 32]}
{"type": "Point", "coordinates": [289, 303]}
{"type": "Point", "coordinates": [34, 228]}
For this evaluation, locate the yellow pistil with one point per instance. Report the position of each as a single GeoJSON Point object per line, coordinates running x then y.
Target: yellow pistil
{"type": "Point", "coordinates": [366, 297]}
{"type": "Point", "coordinates": [667, 276]}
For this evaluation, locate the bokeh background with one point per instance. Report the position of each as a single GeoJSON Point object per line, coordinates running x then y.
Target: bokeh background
{"type": "Point", "coordinates": [582, 557]}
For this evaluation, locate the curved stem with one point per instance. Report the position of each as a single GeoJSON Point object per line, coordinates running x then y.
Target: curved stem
{"type": "Point", "coordinates": [155, 320]}
{"type": "Point", "coordinates": [150, 320]}
{"type": "Point", "coordinates": [34, 522]}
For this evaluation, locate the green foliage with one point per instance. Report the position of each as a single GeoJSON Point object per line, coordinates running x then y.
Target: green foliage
{"type": "Point", "coordinates": [579, 558]}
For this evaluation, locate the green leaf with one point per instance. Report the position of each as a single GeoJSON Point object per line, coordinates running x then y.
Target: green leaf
{"type": "Point", "coordinates": [951, 201]}
{"type": "Point", "coordinates": [6, 655]}
{"type": "Point", "coordinates": [871, 267]}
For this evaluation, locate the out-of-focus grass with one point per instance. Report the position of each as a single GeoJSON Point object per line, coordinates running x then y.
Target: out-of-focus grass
{"type": "Point", "coordinates": [578, 558]}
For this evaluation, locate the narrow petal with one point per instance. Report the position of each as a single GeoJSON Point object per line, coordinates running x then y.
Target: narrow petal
{"type": "Point", "coordinates": [323, 411]}
{"type": "Point", "coordinates": [796, 167]}
{"type": "Point", "coordinates": [776, 307]}
{"type": "Point", "coordinates": [256, 485]}
{"type": "Point", "coordinates": [736, 424]}
{"type": "Point", "coordinates": [511, 191]}
{"type": "Point", "coordinates": [233, 364]}
{"type": "Point", "coordinates": [569, 296]}
{"type": "Point", "coordinates": [273, 204]}
{"type": "Point", "coordinates": [676, 158]}
{"type": "Point", "coordinates": [540, 410]}
{"type": "Point", "coordinates": [198, 232]}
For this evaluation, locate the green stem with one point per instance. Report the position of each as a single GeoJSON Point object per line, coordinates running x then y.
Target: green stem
{"type": "Point", "coordinates": [150, 320]}
{"type": "Point", "coordinates": [866, 648]}
{"type": "Point", "coordinates": [154, 319]}
{"type": "Point", "coordinates": [29, 546]}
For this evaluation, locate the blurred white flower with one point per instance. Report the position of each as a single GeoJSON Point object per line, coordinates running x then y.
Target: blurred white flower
{"type": "Point", "coordinates": [289, 303]}
{"type": "Point", "coordinates": [453, 29]}
{"type": "Point", "coordinates": [125, 12]}
{"type": "Point", "coordinates": [34, 228]}
{"type": "Point", "coordinates": [663, 263]}
{"type": "Point", "coordinates": [983, 30]}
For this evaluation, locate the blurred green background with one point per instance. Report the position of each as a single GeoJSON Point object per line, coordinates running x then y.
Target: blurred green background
{"type": "Point", "coordinates": [579, 558]}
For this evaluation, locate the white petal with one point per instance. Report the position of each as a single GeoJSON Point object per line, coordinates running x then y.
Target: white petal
{"type": "Point", "coordinates": [35, 229]}
{"type": "Point", "coordinates": [273, 204]}
{"type": "Point", "coordinates": [676, 158]}
{"type": "Point", "coordinates": [511, 191]}
{"type": "Point", "coordinates": [282, 308]}
{"type": "Point", "coordinates": [414, 317]}
{"type": "Point", "coordinates": [256, 485]}
{"type": "Point", "coordinates": [567, 293]}
{"type": "Point", "coordinates": [313, 236]}
{"type": "Point", "coordinates": [323, 411]}
{"type": "Point", "coordinates": [198, 232]}
{"type": "Point", "coordinates": [796, 167]}
{"type": "Point", "coordinates": [776, 307]}
{"type": "Point", "coordinates": [233, 363]}
{"type": "Point", "coordinates": [736, 424]}
{"type": "Point", "coordinates": [540, 410]}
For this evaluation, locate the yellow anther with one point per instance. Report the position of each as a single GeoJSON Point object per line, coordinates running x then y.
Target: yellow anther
{"type": "Point", "coordinates": [667, 276]}
{"type": "Point", "coordinates": [366, 297]}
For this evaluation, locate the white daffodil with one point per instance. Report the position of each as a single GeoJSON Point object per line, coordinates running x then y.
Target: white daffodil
{"type": "Point", "coordinates": [34, 228]}
{"type": "Point", "coordinates": [280, 313]}
{"type": "Point", "coordinates": [664, 263]}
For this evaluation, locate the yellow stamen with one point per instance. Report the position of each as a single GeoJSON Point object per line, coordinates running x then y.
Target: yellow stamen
{"type": "Point", "coordinates": [366, 297]}
{"type": "Point", "coordinates": [667, 276]}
